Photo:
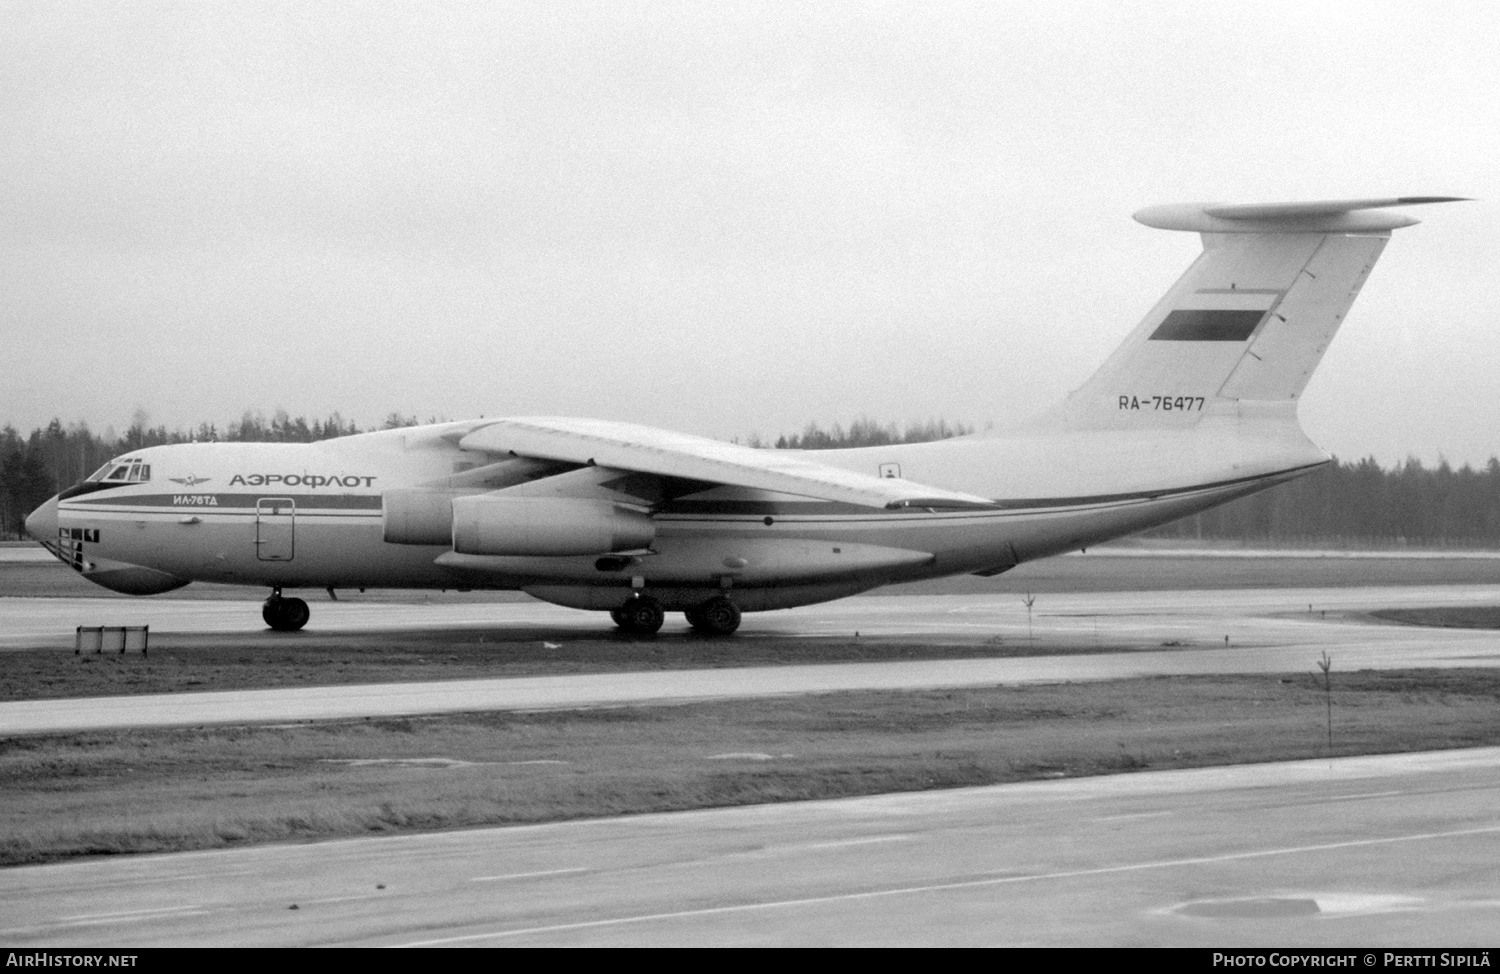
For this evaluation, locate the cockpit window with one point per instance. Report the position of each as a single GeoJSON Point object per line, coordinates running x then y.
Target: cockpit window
{"type": "Point", "coordinates": [123, 472]}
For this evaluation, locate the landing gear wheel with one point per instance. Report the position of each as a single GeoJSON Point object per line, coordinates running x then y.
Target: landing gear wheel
{"type": "Point", "coordinates": [285, 615]}
{"type": "Point", "coordinates": [641, 614]}
{"type": "Point", "coordinates": [716, 617]}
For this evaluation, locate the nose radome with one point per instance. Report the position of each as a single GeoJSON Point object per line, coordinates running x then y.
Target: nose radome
{"type": "Point", "coordinates": [41, 524]}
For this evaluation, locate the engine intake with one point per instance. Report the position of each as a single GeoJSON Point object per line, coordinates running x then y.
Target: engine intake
{"type": "Point", "coordinates": [490, 524]}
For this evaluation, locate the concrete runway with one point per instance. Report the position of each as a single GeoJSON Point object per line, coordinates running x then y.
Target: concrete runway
{"type": "Point", "coordinates": [1269, 630]}
{"type": "Point", "coordinates": [31, 554]}
{"type": "Point", "coordinates": [1368, 852]}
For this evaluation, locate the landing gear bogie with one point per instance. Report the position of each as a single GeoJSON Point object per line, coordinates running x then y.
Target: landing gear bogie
{"type": "Point", "coordinates": [285, 614]}
{"type": "Point", "coordinates": [717, 617]}
{"type": "Point", "coordinates": [640, 615]}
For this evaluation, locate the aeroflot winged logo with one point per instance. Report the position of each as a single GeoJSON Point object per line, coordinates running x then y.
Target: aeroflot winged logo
{"type": "Point", "coordinates": [190, 480]}
{"type": "Point", "coordinates": [299, 480]}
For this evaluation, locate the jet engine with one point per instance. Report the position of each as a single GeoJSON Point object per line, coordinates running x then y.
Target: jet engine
{"type": "Point", "coordinates": [418, 516]}
{"type": "Point", "coordinates": [493, 524]}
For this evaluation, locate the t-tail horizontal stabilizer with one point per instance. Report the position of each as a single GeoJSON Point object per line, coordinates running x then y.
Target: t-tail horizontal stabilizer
{"type": "Point", "coordinates": [1320, 216]}
{"type": "Point", "coordinates": [1250, 319]}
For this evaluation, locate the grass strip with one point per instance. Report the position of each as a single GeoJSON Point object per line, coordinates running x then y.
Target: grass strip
{"type": "Point", "coordinates": [166, 790]}
{"type": "Point", "coordinates": [1445, 616]}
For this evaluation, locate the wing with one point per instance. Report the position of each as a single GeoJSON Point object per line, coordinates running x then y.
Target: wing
{"type": "Point", "coordinates": [625, 446]}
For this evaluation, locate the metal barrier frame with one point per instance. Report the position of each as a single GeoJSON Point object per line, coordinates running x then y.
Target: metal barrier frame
{"type": "Point", "coordinates": [123, 638]}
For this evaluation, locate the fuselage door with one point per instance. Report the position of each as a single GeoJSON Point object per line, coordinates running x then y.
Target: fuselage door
{"type": "Point", "coordinates": [275, 528]}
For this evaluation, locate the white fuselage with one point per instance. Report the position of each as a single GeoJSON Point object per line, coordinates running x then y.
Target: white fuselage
{"type": "Point", "coordinates": [313, 515]}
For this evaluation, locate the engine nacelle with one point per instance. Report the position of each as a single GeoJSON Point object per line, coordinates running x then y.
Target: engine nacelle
{"type": "Point", "coordinates": [490, 524]}
{"type": "Point", "coordinates": [424, 515]}
{"type": "Point", "coordinates": [416, 515]}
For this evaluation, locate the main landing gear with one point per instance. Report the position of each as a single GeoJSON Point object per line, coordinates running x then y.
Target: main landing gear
{"type": "Point", "coordinates": [716, 617]}
{"type": "Point", "coordinates": [642, 615]}
{"type": "Point", "coordinates": [284, 615]}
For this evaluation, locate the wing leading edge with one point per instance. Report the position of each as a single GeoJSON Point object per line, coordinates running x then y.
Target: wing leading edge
{"type": "Point", "coordinates": [644, 449]}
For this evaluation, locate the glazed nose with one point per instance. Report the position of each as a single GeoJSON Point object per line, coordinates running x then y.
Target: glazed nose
{"type": "Point", "coordinates": [42, 523]}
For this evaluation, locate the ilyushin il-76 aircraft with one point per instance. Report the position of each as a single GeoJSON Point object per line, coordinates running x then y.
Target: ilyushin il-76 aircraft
{"type": "Point", "coordinates": [1196, 408]}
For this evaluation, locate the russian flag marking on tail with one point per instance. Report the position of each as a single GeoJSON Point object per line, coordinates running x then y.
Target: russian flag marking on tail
{"type": "Point", "coordinates": [1207, 325]}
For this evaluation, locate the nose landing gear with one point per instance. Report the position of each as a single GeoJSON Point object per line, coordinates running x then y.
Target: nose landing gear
{"type": "Point", "coordinates": [285, 615]}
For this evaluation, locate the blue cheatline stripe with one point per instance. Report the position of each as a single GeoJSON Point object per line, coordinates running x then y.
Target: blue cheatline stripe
{"type": "Point", "coordinates": [1152, 494]}
{"type": "Point", "coordinates": [194, 500]}
{"type": "Point", "coordinates": [1204, 325]}
{"type": "Point", "coordinates": [748, 508]}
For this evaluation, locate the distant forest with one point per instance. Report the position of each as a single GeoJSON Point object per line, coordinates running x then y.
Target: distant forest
{"type": "Point", "coordinates": [1357, 504]}
{"type": "Point", "coordinates": [34, 467]}
{"type": "Point", "coordinates": [864, 432]}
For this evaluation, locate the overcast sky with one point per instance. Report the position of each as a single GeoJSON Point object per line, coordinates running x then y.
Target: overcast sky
{"type": "Point", "coordinates": [724, 218]}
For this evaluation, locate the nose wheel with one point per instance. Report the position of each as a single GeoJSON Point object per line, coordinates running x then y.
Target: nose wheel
{"type": "Point", "coordinates": [640, 615]}
{"type": "Point", "coordinates": [285, 615]}
{"type": "Point", "coordinates": [716, 617]}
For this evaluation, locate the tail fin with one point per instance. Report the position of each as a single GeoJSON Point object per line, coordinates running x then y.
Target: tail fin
{"type": "Point", "coordinates": [1249, 320]}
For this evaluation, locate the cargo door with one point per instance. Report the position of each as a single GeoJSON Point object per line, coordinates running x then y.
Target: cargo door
{"type": "Point", "coordinates": [275, 528]}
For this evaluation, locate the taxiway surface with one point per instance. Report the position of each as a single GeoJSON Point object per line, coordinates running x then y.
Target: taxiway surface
{"type": "Point", "coordinates": [1207, 631]}
{"type": "Point", "coordinates": [1396, 850]}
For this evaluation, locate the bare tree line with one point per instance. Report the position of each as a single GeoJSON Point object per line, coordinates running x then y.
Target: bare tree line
{"type": "Point", "coordinates": [1358, 504]}
{"type": "Point", "coordinates": [1363, 505]}
{"type": "Point", "coordinates": [36, 466]}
